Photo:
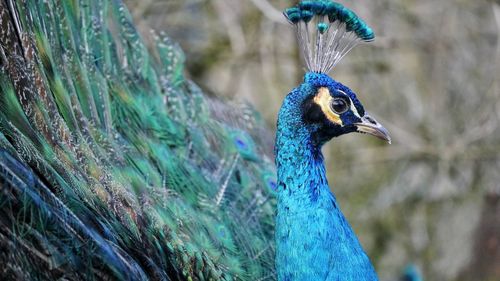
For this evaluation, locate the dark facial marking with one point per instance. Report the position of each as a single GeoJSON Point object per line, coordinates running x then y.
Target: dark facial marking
{"type": "Point", "coordinates": [311, 112]}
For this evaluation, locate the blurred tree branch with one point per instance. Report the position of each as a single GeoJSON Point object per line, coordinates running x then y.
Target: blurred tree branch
{"type": "Point", "coordinates": [269, 11]}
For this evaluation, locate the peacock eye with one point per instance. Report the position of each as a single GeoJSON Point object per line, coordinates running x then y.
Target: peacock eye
{"type": "Point", "coordinates": [339, 105]}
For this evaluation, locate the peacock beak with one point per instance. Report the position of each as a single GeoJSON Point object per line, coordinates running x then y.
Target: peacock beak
{"type": "Point", "coordinates": [369, 125]}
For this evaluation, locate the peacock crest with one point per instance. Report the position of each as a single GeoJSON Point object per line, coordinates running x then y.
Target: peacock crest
{"type": "Point", "coordinates": [326, 32]}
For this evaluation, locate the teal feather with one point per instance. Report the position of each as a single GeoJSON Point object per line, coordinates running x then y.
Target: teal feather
{"type": "Point", "coordinates": [326, 31]}
{"type": "Point", "coordinates": [115, 166]}
{"type": "Point", "coordinates": [307, 9]}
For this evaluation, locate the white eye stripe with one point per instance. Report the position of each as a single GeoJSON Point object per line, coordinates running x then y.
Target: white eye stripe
{"type": "Point", "coordinates": [353, 108]}
{"type": "Point", "coordinates": [342, 93]}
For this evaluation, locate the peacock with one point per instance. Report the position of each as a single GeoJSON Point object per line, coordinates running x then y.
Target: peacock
{"type": "Point", "coordinates": [313, 238]}
{"type": "Point", "coordinates": [115, 166]}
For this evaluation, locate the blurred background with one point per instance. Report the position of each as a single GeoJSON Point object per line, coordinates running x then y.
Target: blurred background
{"type": "Point", "coordinates": [432, 77]}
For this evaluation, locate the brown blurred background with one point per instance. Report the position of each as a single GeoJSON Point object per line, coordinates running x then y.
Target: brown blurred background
{"type": "Point", "coordinates": [432, 77]}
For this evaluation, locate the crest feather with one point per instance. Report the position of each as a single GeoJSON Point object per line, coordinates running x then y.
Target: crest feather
{"type": "Point", "coordinates": [326, 31]}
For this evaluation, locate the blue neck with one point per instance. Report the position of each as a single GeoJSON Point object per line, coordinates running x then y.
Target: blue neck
{"type": "Point", "coordinates": [314, 241]}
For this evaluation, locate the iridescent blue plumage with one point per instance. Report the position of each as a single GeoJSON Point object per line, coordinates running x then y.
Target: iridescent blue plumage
{"type": "Point", "coordinates": [314, 241]}
{"type": "Point", "coordinates": [411, 273]}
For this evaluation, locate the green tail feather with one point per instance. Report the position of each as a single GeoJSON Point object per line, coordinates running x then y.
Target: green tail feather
{"type": "Point", "coordinates": [118, 167]}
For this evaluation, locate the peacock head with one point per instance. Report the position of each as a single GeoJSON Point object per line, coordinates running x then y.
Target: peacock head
{"type": "Point", "coordinates": [330, 109]}
{"type": "Point", "coordinates": [326, 32]}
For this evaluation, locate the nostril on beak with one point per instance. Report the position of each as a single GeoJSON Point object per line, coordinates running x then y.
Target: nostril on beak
{"type": "Point", "coordinates": [371, 120]}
